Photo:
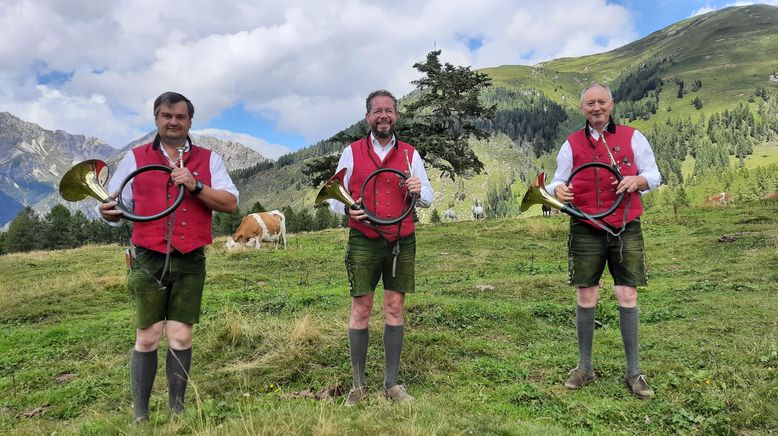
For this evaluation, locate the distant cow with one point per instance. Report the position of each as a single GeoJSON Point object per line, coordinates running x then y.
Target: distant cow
{"type": "Point", "coordinates": [718, 199]}
{"type": "Point", "coordinates": [773, 196]}
{"type": "Point", "coordinates": [257, 228]}
{"type": "Point", "coordinates": [450, 214]}
{"type": "Point", "coordinates": [546, 210]}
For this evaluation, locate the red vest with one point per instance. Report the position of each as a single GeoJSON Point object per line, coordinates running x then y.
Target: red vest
{"type": "Point", "coordinates": [592, 187]}
{"type": "Point", "coordinates": [153, 192]}
{"type": "Point", "coordinates": [383, 196]}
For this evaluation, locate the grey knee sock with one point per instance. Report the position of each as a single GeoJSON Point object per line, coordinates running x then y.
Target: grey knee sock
{"type": "Point", "coordinates": [177, 364]}
{"type": "Point", "coordinates": [584, 326]}
{"type": "Point", "coordinates": [357, 344]}
{"type": "Point", "coordinates": [393, 345]}
{"type": "Point", "coordinates": [143, 370]}
{"type": "Point", "coordinates": [628, 323]}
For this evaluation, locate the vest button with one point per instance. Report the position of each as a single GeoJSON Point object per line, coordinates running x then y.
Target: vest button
{"type": "Point", "coordinates": [181, 237]}
{"type": "Point", "coordinates": [183, 223]}
{"type": "Point", "coordinates": [183, 209]}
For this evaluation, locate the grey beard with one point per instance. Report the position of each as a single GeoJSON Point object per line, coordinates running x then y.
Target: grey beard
{"type": "Point", "coordinates": [383, 135]}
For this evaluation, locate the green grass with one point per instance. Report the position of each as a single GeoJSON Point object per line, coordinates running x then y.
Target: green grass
{"type": "Point", "coordinates": [490, 336]}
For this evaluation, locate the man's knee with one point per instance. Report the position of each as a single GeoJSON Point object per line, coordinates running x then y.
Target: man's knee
{"type": "Point", "coordinates": [587, 297]}
{"type": "Point", "coordinates": [360, 310]}
{"type": "Point", "coordinates": [627, 296]}
{"type": "Point", "coordinates": [393, 307]}
{"type": "Point", "coordinates": [179, 335]}
{"type": "Point", "coordinates": [147, 339]}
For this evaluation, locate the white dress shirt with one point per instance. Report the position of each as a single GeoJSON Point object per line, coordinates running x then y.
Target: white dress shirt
{"type": "Point", "coordinates": [644, 161]}
{"type": "Point", "coordinates": [417, 167]}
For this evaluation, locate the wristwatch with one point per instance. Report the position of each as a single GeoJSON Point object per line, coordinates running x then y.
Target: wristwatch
{"type": "Point", "coordinates": [198, 188]}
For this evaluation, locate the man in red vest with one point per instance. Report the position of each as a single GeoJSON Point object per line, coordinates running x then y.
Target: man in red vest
{"type": "Point", "coordinates": [168, 266]}
{"type": "Point", "coordinates": [372, 251]}
{"type": "Point", "coordinates": [590, 247]}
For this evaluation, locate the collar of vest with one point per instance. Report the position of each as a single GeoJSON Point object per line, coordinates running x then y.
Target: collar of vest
{"type": "Point", "coordinates": [610, 128]}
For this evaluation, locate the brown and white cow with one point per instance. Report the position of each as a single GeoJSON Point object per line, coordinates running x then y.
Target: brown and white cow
{"type": "Point", "coordinates": [257, 228]}
{"type": "Point", "coordinates": [718, 199]}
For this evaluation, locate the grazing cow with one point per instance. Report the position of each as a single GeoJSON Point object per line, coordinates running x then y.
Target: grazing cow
{"type": "Point", "coordinates": [257, 228]}
{"type": "Point", "coordinates": [718, 199]}
{"type": "Point", "coordinates": [546, 210]}
{"type": "Point", "coordinates": [450, 214]}
{"type": "Point", "coordinates": [478, 213]}
{"type": "Point", "coordinates": [773, 196]}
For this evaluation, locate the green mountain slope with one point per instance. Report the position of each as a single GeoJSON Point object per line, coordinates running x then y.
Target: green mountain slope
{"type": "Point", "coordinates": [730, 53]}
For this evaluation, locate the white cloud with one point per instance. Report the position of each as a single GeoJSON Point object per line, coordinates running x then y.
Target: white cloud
{"type": "Point", "coordinates": [708, 8]}
{"type": "Point", "coordinates": [306, 66]}
{"type": "Point", "coordinates": [266, 149]}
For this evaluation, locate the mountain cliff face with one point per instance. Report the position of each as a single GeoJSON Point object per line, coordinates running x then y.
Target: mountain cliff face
{"type": "Point", "coordinates": [33, 160]}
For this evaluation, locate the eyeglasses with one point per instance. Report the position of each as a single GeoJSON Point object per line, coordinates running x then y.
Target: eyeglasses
{"type": "Point", "coordinates": [388, 112]}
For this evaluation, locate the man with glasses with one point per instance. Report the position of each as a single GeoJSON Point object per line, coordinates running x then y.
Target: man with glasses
{"type": "Point", "coordinates": [372, 251]}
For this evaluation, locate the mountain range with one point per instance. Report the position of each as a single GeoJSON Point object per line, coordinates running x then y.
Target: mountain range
{"type": "Point", "coordinates": [701, 65]}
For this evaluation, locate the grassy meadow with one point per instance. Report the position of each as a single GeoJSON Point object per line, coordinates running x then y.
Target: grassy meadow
{"type": "Point", "coordinates": [490, 336]}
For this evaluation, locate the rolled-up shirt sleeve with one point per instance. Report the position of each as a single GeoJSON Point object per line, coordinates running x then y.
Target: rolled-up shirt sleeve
{"type": "Point", "coordinates": [220, 178]}
{"type": "Point", "coordinates": [564, 167]}
{"type": "Point", "coordinates": [427, 193]}
{"type": "Point", "coordinates": [645, 161]}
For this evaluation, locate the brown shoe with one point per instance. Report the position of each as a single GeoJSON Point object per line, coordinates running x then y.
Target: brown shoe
{"type": "Point", "coordinates": [579, 378]}
{"type": "Point", "coordinates": [354, 395]}
{"type": "Point", "coordinates": [638, 385]}
{"type": "Point", "coordinates": [398, 393]}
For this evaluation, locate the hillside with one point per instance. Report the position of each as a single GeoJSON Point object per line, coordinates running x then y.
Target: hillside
{"type": "Point", "coordinates": [731, 53]}
{"type": "Point", "coordinates": [490, 337]}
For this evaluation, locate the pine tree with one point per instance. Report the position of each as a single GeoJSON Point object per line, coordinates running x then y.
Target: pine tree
{"type": "Point", "coordinates": [24, 232]}
{"type": "Point", "coordinates": [434, 216]}
{"type": "Point", "coordinates": [57, 229]}
{"type": "Point", "coordinates": [257, 207]}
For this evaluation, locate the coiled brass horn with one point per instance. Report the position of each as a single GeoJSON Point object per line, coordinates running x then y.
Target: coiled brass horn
{"type": "Point", "coordinates": [333, 189]}
{"type": "Point", "coordinates": [88, 179]}
{"type": "Point", "coordinates": [537, 194]}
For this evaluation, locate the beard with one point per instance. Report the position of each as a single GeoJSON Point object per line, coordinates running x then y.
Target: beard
{"type": "Point", "coordinates": [382, 134]}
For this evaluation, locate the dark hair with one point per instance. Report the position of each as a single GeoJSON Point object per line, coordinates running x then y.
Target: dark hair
{"type": "Point", "coordinates": [172, 98]}
{"type": "Point", "coordinates": [379, 93]}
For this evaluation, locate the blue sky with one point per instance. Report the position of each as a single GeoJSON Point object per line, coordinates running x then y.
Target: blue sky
{"type": "Point", "coordinates": [278, 76]}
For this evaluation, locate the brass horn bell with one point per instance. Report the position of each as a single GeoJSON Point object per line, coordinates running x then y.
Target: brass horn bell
{"type": "Point", "coordinates": [334, 189]}
{"type": "Point", "coordinates": [86, 179]}
{"type": "Point", "coordinates": [537, 194]}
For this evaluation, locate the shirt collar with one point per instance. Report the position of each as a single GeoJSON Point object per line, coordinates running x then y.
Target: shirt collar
{"type": "Point", "coordinates": [378, 145]}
